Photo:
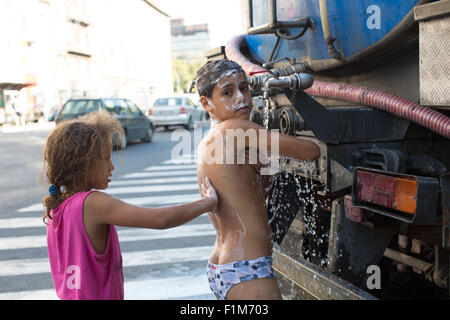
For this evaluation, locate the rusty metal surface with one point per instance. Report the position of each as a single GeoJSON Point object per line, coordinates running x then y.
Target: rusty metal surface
{"type": "Point", "coordinates": [408, 260]}
{"type": "Point", "coordinates": [316, 282]}
{"type": "Point", "coordinates": [434, 66]}
{"type": "Point", "coordinates": [432, 10]}
{"type": "Point", "coordinates": [445, 198]}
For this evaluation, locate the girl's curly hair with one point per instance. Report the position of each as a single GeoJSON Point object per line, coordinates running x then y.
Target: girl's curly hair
{"type": "Point", "coordinates": [71, 152]}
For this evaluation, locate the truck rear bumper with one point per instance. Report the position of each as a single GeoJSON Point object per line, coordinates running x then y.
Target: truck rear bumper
{"type": "Point", "coordinates": [312, 282]}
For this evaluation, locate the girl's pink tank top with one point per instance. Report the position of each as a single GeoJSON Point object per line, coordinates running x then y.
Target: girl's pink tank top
{"type": "Point", "coordinates": [78, 272]}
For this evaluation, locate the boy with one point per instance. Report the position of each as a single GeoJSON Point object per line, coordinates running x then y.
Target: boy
{"type": "Point", "coordinates": [240, 265]}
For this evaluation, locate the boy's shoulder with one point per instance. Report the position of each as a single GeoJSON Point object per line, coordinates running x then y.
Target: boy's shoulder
{"type": "Point", "coordinates": [239, 124]}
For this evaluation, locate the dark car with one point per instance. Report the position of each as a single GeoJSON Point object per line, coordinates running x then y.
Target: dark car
{"type": "Point", "coordinates": [135, 124]}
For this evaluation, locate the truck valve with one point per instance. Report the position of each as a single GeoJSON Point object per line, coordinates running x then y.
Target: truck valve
{"type": "Point", "coordinates": [296, 81]}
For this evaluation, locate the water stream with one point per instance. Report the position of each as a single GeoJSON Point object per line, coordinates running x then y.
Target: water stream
{"type": "Point", "coordinates": [293, 195]}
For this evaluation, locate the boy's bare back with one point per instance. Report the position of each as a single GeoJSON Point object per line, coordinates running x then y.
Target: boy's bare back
{"type": "Point", "coordinates": [241, 220]}
{"type": "Point", "coordinates": [244, 236]}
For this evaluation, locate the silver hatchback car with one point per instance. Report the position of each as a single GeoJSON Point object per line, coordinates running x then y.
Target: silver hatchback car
{"type": "Point", "coordinates": [176, 110]}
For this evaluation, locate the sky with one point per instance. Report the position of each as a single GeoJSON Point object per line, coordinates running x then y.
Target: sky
{"type": "Point", "coordinates": [222, 16]}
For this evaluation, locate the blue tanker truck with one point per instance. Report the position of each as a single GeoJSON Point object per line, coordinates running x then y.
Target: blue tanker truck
{"type": "Point", "coordinates": [369, 82]}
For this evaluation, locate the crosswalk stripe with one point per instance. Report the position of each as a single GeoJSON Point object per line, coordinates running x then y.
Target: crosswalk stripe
{"type": "Point", "coordinates": [171, 167]}
{"type": "Point", "coordinates": [23, 242]}
{"type": "Point", "coordinates": [137, 201]}
{"type": "Point", "coordinates": [159, 174]}
{"type": "Point", "coordinates": [29, 127]}
{"type": "Point", "coordinates": [148, 289]}
{"type": "Point", "coordinates": [180, 161]}
{"type": "Point", "coordinates": [130, 259]}
{"type": "Point", "coordinates": [183, 231]}
{"type": "Point", "coordinates": [17, 223]}
{"type": "Point", "coordinates": [14, 223]}
{"type": "Point", "coordinates": [185, 159]}
{"type": "Point", "coordinates": [127, 235]}
{"type": "Point", "coordinates": [168, 288]}
{"type": "Point", "coordinates": [185, 155]}
{"type": "Point", "coordinates": [37, 207]}
{"type": "Point", "coordinates": [153, 181]}
{"type": "Point", "coordinates": [162, 200]}
{"type": "Point", "coordinates": [48, 294]}
{"type": "Point", "coordinates": [158, 188]}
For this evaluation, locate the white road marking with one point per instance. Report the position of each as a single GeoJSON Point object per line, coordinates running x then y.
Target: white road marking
{"type": "Point", "coordinates": [137, 289]}
{"type": "Point", "coordinates": [159, 174]}
{"type": "Point", "coordinates": [187, 230]}
{"type": "Point", "coordinates": [137, 201]}
{"type": "Point", "coordinates": [171, 167]}
{"type": "Point", "coordinates": [130, 259]}
{"type": "Point", "coordinates": [152, 181]}
{"type": "Point", "coordinates": [157, 188]}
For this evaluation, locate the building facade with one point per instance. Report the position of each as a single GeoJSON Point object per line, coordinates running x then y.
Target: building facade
{"type": "Point", "coordinates": [189, 43]}
{"type": "Point", "coordinates": [83, 48]}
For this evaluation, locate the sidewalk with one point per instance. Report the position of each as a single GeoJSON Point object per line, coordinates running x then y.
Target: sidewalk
{"type": "Point", "coordinates": [40, 126]}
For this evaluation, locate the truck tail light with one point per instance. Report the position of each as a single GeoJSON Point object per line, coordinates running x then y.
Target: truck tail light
{"type": "Point", "coordinates": [404, 197]}
{"type": "Point", "coordinates": [149, 111]}
{"type": "Point", "coordinates": [388, 191]}
{"type": "Point", "coordinates": [182, 110]}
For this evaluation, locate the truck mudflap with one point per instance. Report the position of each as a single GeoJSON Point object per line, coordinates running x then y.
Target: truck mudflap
{"type": "Point", "coordinates": [300, 279]}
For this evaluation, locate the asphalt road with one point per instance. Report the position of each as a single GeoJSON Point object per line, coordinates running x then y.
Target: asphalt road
{"type": "Point", "coordinates": [158, 264]}
{"type": "Point", "coordinates": [21, 162]}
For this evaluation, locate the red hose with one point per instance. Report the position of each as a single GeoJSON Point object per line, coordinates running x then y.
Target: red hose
{"type": "Point", "coordinates": [427, 117]}
{"type": "Point", "coordinates": [233, 52]}
{"type": "Point", "coordinates": [403, 108]}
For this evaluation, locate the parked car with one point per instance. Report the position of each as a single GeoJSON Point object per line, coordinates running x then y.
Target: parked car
{"type": "Point", "coordinates": [176, 110]}
{"type": "Point", "coordinates": [134, 122]}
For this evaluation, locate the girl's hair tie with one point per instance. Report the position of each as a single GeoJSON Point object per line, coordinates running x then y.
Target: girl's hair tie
{"type": "Point", "coordinates": [54, 189]}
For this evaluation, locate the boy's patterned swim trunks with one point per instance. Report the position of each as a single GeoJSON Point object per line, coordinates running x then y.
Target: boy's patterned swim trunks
{"type": "Point", "coordinates": [222, 277]}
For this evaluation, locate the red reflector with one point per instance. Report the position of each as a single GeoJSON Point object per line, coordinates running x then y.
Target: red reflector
{"type": "Point", "coordinates": [149, 112]}
{"type": "Point", "coordinates": [182, 110]}
{"type": "Point", "coordinates": [352, 213]}
{"type": "Point", "coordinates": [375, 188]}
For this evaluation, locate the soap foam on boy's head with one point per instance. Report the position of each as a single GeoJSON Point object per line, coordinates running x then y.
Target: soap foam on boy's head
{"type": "Point", "coordinates": [212, 72]}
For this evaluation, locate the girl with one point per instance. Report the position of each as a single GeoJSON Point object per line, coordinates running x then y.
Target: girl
{"type": "Point", "coordinates": [83, 246]}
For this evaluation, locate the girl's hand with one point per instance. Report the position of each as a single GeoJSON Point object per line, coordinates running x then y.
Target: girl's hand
{"type": "Point", "coordinates": [209, 193]}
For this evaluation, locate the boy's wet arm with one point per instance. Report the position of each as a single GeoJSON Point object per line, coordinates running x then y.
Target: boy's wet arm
{"type": "Point", "coordinates": [298, 148]}
{"type": "Point", "coordinates": [289, 146]}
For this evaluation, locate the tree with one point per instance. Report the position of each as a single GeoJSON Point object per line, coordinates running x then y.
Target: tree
{"type": "Point", "coordinates": [183, 72]}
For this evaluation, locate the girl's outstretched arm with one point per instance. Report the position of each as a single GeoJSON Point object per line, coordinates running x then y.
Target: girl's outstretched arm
{"type": "Point", "coordinates": [101, 208]}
